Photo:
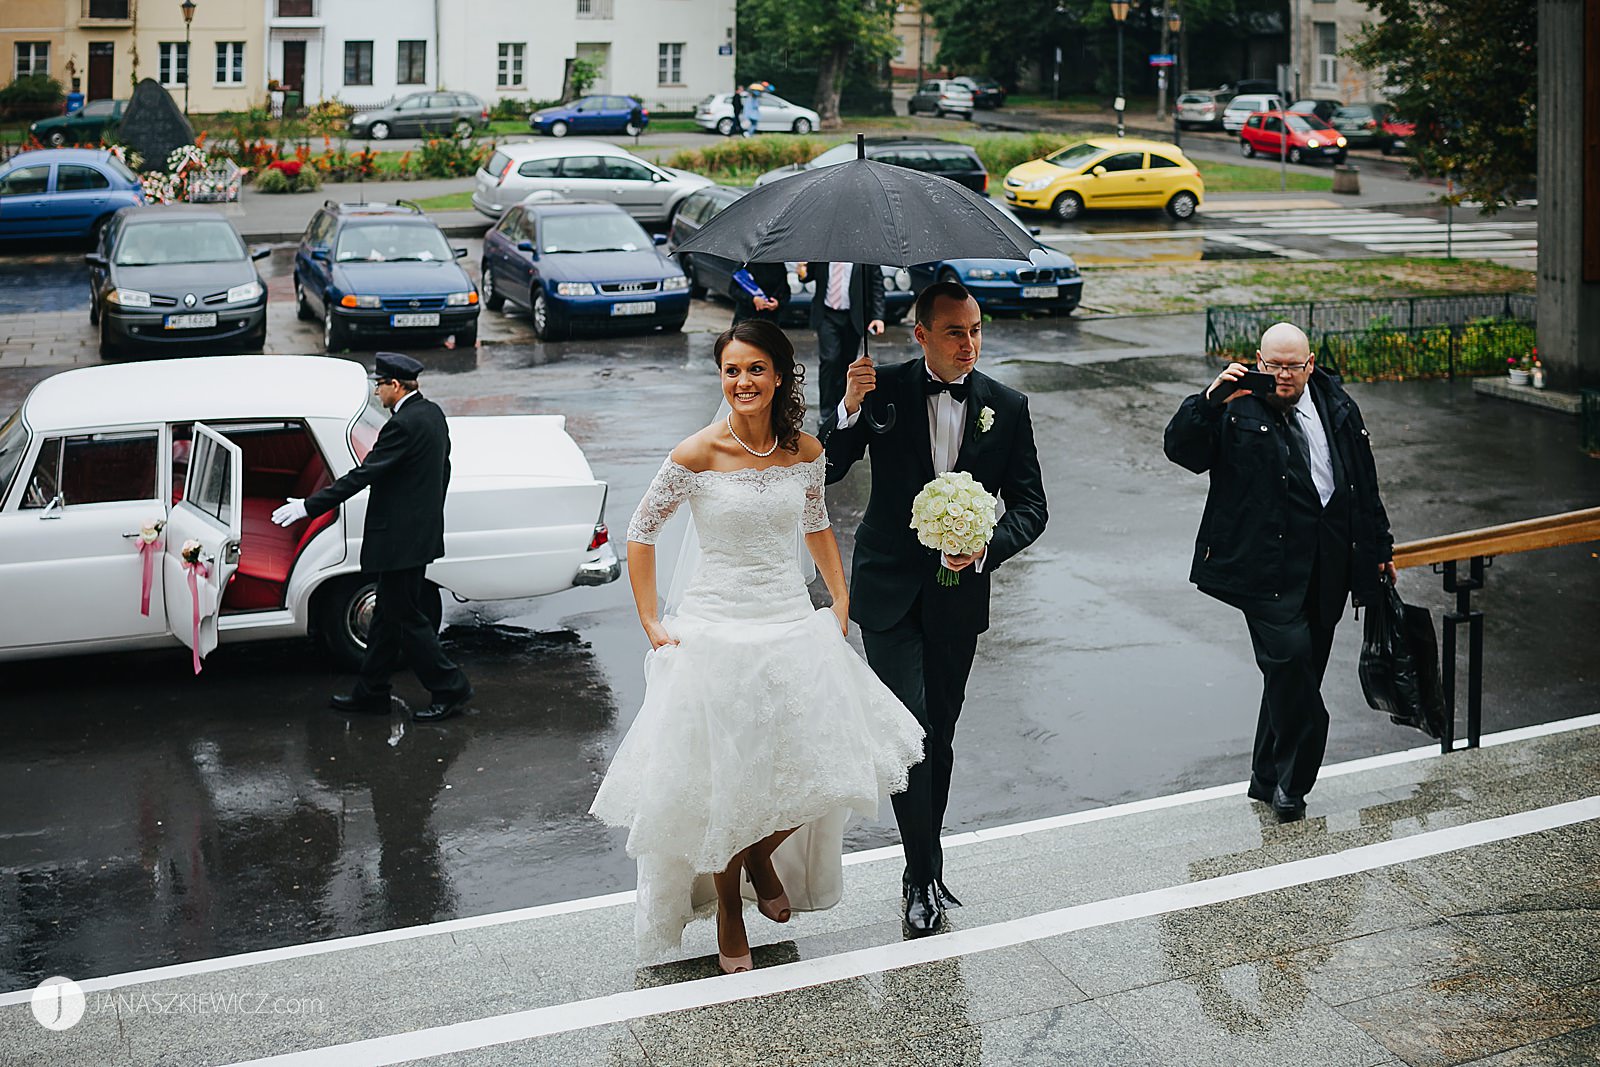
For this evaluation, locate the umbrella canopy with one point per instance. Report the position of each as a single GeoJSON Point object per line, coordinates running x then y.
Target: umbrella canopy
{"type": "Point", "coordinates": [861, 211]}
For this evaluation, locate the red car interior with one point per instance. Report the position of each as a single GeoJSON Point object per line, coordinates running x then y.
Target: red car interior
{"type": "Point", "coordinates": [279, 462]}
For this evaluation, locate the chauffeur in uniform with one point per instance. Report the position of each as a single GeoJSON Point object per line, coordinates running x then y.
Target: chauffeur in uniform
{"type": "Point", "coordinates": [408, 471]}
{"type": "Point", "coordinates": [1292, 525]}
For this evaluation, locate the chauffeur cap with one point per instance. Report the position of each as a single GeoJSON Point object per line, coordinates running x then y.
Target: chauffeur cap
{"type": "Point", "coordinates": [398, 366]}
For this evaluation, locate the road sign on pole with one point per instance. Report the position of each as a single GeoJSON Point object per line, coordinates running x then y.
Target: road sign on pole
{"type": "Point", "coordinates": [1163, 60]}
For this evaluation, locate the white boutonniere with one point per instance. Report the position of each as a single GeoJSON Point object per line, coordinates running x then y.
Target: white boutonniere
{"type": "Point", "coordinates": [986, 420]}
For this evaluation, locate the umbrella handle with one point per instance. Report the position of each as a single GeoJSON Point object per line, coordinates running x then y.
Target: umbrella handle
{"type": "Point", "coordinates": [873, 423]}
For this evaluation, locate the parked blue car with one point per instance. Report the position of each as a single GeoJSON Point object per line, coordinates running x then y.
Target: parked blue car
{"type": "Point", "coordinates": [1049, 282]}
{"type": "Point", "coordinates": [582, 265]}
{"type": "Point", "coordinates": [382, 270]}
{"type": "Point", "coordinates": [592, 114]}
{"type": "Point", "coordinates": [64, 192]}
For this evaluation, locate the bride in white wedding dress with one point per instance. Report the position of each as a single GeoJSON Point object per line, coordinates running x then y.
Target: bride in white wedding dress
{"type": "Point", "coordinates": [761, 729]}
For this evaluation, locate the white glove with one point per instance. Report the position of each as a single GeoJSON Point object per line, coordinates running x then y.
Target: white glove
{"type": "Point", "coordinates": [290, 513]}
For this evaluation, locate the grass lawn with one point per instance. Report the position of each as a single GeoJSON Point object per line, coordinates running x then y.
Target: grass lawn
{"type": "Point", "coordinates": [1178, 287]}
{"type": "Point", "coordinates": [461, 201]}
{"type": "Point", "coordinates": [1233, 178]}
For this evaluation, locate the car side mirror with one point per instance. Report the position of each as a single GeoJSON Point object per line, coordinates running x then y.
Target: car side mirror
{"type": "Point", "coordinates": [657, 177]}
{"type": "Point", "coordinates": [1098, 171]}
{"type": "Point", "coordinates": [461, 253]}
{"type": "Point", "coordinates": [1035, 231]}
{"type": "Point", "coordinates": [525, 246]}
{"type": "Point", "coordinates": [95, 259]}
{"type": "Point", "coordinates": [320, 252]}
{"type": "Point", "coordinates": [660, 239]}
{"type": "Point", "coordinates": [260, 253]}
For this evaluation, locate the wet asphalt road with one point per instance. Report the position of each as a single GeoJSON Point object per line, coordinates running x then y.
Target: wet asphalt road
{"type": "Point", "coordinates": [154, 817]}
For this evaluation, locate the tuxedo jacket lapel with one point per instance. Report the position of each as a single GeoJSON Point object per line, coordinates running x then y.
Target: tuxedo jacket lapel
{"type": "Point", "coordinates": [915, 409]}
{"type": "Point", "coordinates": [976, 399]}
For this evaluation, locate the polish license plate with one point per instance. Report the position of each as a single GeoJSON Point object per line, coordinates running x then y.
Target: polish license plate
{"type": "Point", "coordinates": [642, 307]}
{"type": "Point", "coordinates": [1040, 292]}
{"type": "Point", "coordinates": [426, 318]}
{"type": "Point", "coordinates": [191, 322]}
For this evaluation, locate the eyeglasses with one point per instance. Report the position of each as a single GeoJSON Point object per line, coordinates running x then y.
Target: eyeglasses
{"type": "Point", "coordinates": [1282, 368]}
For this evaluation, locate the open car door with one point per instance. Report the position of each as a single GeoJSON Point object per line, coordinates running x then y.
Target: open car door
{"type": "Point", "coordinates": [209, 516]}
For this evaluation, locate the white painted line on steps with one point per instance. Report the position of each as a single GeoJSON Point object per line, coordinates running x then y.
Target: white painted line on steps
{"type": "Point", "coordinates": [705, 992]}
{"type": "Point", "coordinates": [570, 907]}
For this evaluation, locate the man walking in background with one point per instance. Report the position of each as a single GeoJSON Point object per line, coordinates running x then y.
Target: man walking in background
{"type": "Point", "coordinates": [408, 471]}
{"type": "Point", "coordinates": [1292, 525]}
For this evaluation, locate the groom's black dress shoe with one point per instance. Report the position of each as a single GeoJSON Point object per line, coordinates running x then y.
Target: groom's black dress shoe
{"type": "Point", "coordinates": [1288, 808]}
{"type": "Point", "coordinates": [371, 705]}
{"type": "Point", "coordinates": [946, 898]}
{"type": "Point", "coordinates": [1259, 790]}
{"type": "Point", "coordinates": [923, 914]}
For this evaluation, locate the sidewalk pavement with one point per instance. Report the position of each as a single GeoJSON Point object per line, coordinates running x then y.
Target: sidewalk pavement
{"type": "Point", "coordinates": [1430, 911]}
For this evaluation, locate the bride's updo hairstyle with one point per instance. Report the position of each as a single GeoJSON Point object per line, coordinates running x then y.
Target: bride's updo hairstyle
{"type": "Point", "coordinates": [789, 402]}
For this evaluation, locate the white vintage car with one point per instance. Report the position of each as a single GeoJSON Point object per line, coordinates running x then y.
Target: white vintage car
{"type": "Point", "coordinates": [210, 447]}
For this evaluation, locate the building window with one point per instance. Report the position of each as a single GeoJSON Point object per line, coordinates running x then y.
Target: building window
{"type": "Point", "coordinates": [296, 9]}
{"type": "Point", "coordinates": [508, 73]}
{"type": "Point", "coordinates": [413, 63]}
{"type": "Point", "coordinates": [594, 9]}
{"type": "Point", "coordinates": [1327, 53]}
{"type": "Point", "coordinates": [669, 64]}
{"type": "Point", "coordinates": [358, 62]}
{"type": "Point", "coordinates": [174, 65]}
{"type": "Point", "coordinates": [230, 62]}
{"type": "Point", "coordinates": [33, 57]}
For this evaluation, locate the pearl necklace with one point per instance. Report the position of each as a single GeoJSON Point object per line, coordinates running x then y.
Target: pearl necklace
{"type": "Point", "coordinates": [747, 448]}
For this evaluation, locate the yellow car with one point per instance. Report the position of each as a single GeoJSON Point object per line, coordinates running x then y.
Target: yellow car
{"type": "Point", "coordinates": [1108, 172]}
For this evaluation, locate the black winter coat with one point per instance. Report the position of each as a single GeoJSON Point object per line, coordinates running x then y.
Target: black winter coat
{"type": "Point", "coordinates": [408, 470]}
{"type": "Point", "coordinates": [891, 566]}
{"type": "Point", "coordinates": [1240, 547]}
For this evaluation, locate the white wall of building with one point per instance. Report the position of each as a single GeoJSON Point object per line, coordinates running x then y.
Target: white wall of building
{"type": "Point", "coordinates": [334, 23]}
{"type": "Point", "coordinates": [628, 45]}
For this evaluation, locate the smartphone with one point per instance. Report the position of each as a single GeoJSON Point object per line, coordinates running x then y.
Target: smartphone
{"type": "Point", "coordinates": [1258, 382]}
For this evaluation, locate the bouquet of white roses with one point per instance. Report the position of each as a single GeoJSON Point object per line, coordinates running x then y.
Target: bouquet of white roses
{"type": "Point", "coordinates": [955, 515]}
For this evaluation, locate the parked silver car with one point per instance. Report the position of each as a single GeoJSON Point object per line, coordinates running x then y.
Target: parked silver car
{"type": "Point", "coordinates": [1242, 107]}
{"type": "Point", "coordinates": [776, 115]}
{"type": "Point", "coordinates": [1202, 107]}
{"type": "Point", "coordinates": [942, 96]}
{"type": "Point", "coordinates": [582, 170]}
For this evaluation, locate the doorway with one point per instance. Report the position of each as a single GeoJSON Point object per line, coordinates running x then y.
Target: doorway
{"type": "Point", "coordinates": [102, 58]}
{"type": "Point", "coordinates": [600, 56]}
{"type": "Point", "coordinates": [294, 66]}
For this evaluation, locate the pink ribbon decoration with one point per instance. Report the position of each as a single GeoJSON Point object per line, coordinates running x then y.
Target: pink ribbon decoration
{"type": "Point", "coordinates": [196, 571]}
{"type": "Point", "coordinates": [149, 551]}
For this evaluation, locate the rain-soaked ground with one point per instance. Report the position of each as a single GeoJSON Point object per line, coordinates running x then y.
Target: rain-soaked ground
{"type": "Point", "coordinates": [154, 817]}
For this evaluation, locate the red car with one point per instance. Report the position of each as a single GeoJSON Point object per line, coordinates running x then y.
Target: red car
{"type": "Point", "coordinates": [1395, 132]}
{"type": "Point", "coordinates": [1309, 137]}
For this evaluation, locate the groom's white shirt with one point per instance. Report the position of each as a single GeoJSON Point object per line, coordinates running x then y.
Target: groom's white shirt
{"type": "Point", "coordinates": [947, 424]}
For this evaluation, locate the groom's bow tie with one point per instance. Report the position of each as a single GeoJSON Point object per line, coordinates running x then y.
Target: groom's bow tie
{"type": "Point", "coordinates": [957, 390]}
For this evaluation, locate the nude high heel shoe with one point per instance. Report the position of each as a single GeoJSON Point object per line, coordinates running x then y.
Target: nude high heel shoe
{"type": "Point", "coordinates": [731, 964]}
{"type": "Point", "coordinates": [777, 908]}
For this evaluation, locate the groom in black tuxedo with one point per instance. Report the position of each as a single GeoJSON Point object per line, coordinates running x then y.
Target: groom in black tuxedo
{"type": "Point", "coordinates": [921, 636]}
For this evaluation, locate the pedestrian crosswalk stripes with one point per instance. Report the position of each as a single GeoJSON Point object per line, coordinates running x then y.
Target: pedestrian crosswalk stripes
{"type": "Point", "coordinates": [1389, 232]}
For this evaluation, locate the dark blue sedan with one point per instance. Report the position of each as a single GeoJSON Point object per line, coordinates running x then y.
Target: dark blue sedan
{"type": "Point", "coordinates": [382, 270]}
{"type": "Point", "coordinates": [64, 192]}
{"type": "Point", "coordinates": [582, 266]}
{"type": "Point", "coordinates": [592, 114]}
{"type": "Point", "coordinates": [1049, 282]}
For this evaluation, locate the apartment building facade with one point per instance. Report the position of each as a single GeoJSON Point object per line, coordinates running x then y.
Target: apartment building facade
{"type": "Point", "coordinates": [1319, 32]}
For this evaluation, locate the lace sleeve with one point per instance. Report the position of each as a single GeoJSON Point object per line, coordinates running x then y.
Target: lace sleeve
{"type": "Point", "coordinates": [671, 487]}
{"type": "Point", "coordinates": [815, 517]}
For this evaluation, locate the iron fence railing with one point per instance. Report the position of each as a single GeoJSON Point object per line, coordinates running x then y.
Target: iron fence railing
{"type": "Point", "coordinates": [1405, 337]}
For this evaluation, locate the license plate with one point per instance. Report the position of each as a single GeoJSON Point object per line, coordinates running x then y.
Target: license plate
{"type": "Point", "coordinates": [642, 307]}
{"type": "Point", "coordinates": [1041, 292]}
{"type": "Point", "coordinates": [191, 322]}
{"type": "Point", "coordinates": [427, 318]}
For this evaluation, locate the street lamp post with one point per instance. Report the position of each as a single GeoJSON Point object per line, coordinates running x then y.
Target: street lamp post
{"type": "Point", "coordinates": [1119, 13]}
{"type": "Point", "coordinates": [188, 19]}
{"type": "Point", "coordinates": [1175, 23]}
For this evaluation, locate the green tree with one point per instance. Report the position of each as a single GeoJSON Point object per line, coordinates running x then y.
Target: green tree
{"type": "Point", "coordinates": [1466, 72]}
{"type": "Point", "coordinates": [826, 34]}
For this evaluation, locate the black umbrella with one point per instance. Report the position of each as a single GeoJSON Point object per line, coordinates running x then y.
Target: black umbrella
{"type": "Point", "coordinates": [866, 212]}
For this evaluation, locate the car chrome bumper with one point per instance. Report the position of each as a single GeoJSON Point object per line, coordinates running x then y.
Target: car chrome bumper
{"type": "Point", "coordinates": [148, 327]}
{"type": "Point", "coordinates": [604, 567]}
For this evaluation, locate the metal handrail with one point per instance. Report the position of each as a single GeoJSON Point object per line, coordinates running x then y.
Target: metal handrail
{"type": "Point", "coordinates": [1549, 531]}
{"type": "Point", "coordinates": [1477, 548]}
